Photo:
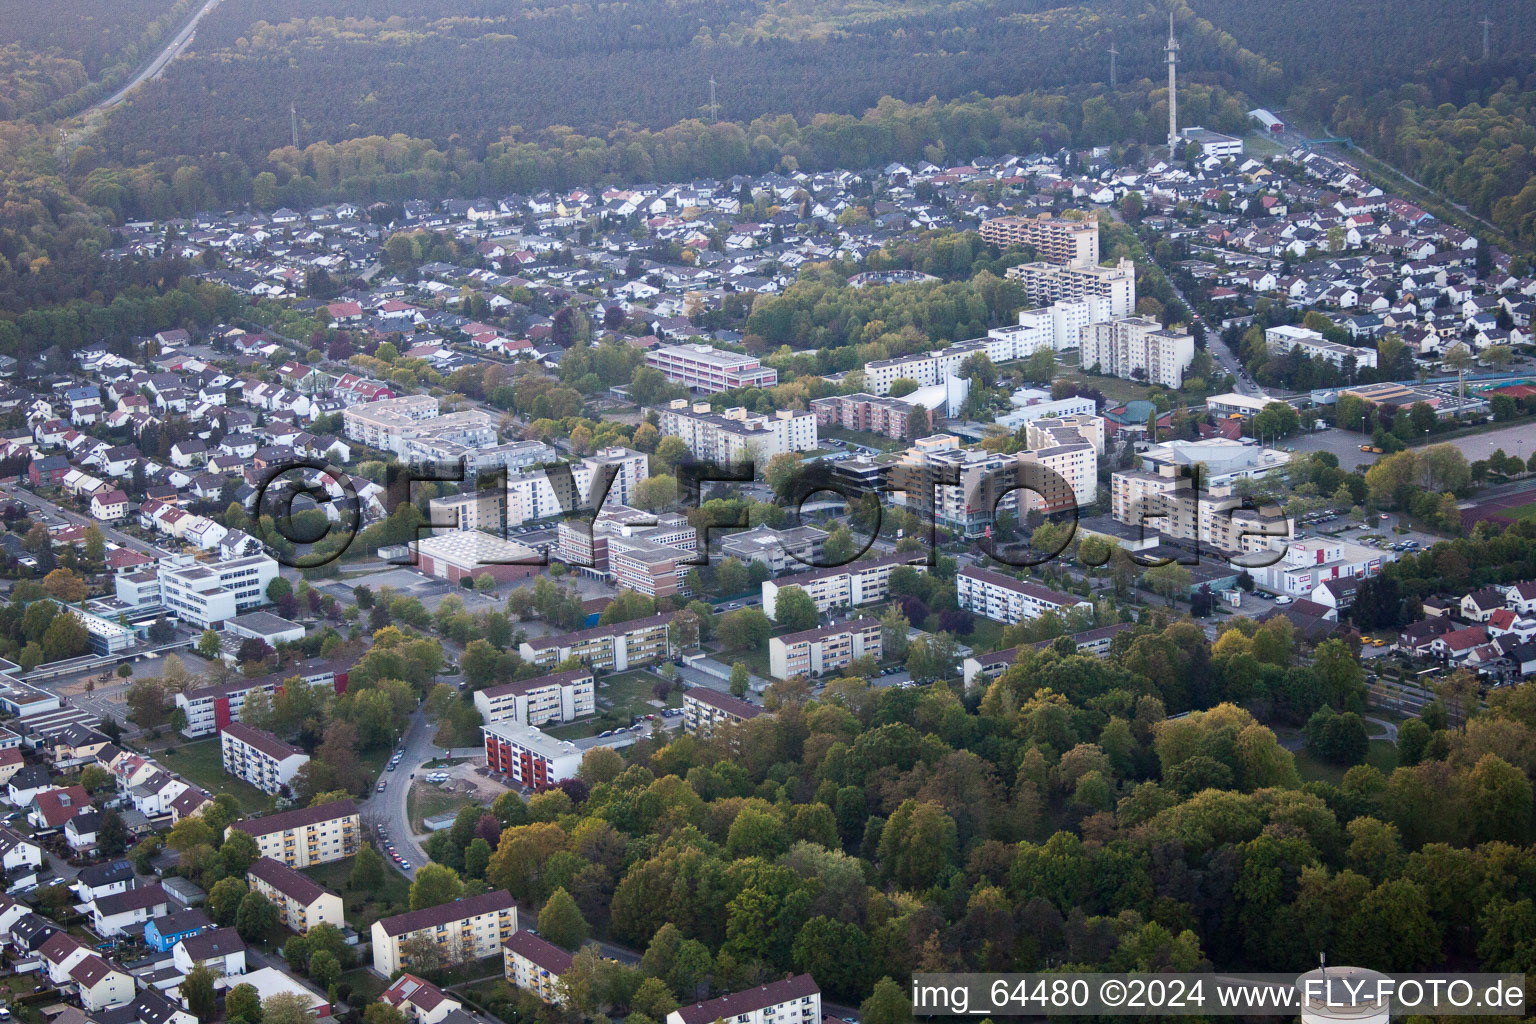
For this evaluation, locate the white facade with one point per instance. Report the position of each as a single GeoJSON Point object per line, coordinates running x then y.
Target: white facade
{"type": "Point", "coordinates": [736, 435]}
{"type": "Point", "coordinates": [1312, 344]}
{"type": "Point", "coordinates": [259, 757]}
{"type": "Point", "coordinates": [1138, 348]}
{"type": "Point", "coordinates": [1005, 599]}
{"type": "Point", "coordinates": [206, 594]}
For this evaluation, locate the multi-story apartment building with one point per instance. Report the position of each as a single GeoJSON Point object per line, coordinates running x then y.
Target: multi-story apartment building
{"type": "Point", "coordinates": [306, 835]}
{"type": "Point", "coordinates": [880, 374]}
{"type": "Point", "coordinates": [1138, 348]}
{"type": "Point", "coordinates": [1030, 404]}
{"type": "Point", "coordinates": [1313, 345]}
{"type": "Point", "coordinates": [612, 648]}
{"type": "Point", "coordinates": [535, 965]}
{"type": "Point", "coordinates": [447, 435]}
{"type": "Point", "coordinates": [585, 544]}
{"type": "Point", "coordinates": [737, 436]}
{"type": "Point", "coordinates": [512, 456]}
{"type": "Point", "coordinates": [776, 549]}
{"type": "Point", "coordinates": [817, 652]}
{"type": "Point", "coordinates": [795, 1000]}
{"type": "Point", "coordinates": [411, 428]}
{"type": "Point", "coordinates": [561, 697]}
{"type": "Point", "coordinates": [708, 369]}
{"type": "Point", "coordinates": [1166, 503]}
{"type": "Point", "coordinates": [464, 930]}
{"type": "Point", "coordinates": [382, 424]}
{"type": "Point", "coordinates": [1004, 599]}
{"type": "Point", "coordinates": [888, 416]}
{"type": "Point", "coordinates": [1045, 283]}
{"type": "Point", "coordinates": [536, 759]}
{"type": "Point", "coordinates": [210, 708]}
{"type": "Point", "coordinates": [1072, 243]}
{"type": "Point", "coordinates": [207, 594]}
{"type": "Point", "coordinates": [842, 586]}
{"type": "Point", "coordinates": [470, 510]}
{"type": "Point", "coordinates": [301, 902]}
{"type": "Point", "coordinates": [964, 490]}
{"type": "Point", "coordinates": [705, 708]}
{"type": "Point", "coordinates": [260, 758]}
{"type": "Point", "coordinates": [544, 493]}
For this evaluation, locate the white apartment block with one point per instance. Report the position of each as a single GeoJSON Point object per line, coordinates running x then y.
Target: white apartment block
{"type": "Point", "coordinates": [1046, 283]}
{"type": "Point", "coordinates": [468, 929]}
{"type": "Point", "coordinates": [841, 586]}
{"type": "Point", "coordinates": [1005, 599]}
{"type": "Point", "coordinates": [561, 697]}
{"type": "Point", "coordinates": [880, 374]}
{"type": "Point", "coordinates": [736, 435]}
{"type": "Point", "coordinates": [612, 648]}
{"type": "Point", "coordinates": [795, 1000]}
{"type": "Point", "coordinates": [544, 493]}
{"type": "Point", "coordinates": [468, 511]}
{"type": "Point", "coordinates": [709, 369]}
{"type": "Point", "coordinates": [1165, 504]}
{"type": "Point", "coordinates": [818, 652]}
{"type": "Point", "coordinates": [383, 424]}
{"type": "Point", "coordinates": [301, 902]}
{"type": "Point", "coordinates": [207, 594]}
{"type": "Point", "coordinates": [536, 965]}
{"type": "Point", "coordinates": [306, 835]}
{"type": "Point", "coordinates": [705, 709]}
{"type": "Point", "coordinates": [1138, 348]}
{"type": "Point", "coordinates": [260, 758]}
{"type": "Point", "coordinates": [1312, 344]}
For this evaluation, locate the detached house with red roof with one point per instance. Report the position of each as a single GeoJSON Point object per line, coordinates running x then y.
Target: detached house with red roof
{"type": "Point", "coordinates": [421, 1001]}
{"type": "Point", "coordinates": [51, 809]}
{"type": "Point", "coordinates": [109, 506]}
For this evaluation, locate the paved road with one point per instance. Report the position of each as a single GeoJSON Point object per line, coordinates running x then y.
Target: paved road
{"type": "Point", "coordinates": [388, 808]}
{"type": "Point", "coordinates": [111, 533]}
{"type": "Point", "coordinates": [172, 50]}
{"type": "Point", "coordinates": [1390, 728]}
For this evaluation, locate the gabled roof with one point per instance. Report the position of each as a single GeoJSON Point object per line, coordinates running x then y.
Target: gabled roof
{"type": "Point", "coordinates": [297, 818]}
{"type": "Point", "coordinates": [415, 920]}
{"type": "Point", "coordinates": [749, 1000]}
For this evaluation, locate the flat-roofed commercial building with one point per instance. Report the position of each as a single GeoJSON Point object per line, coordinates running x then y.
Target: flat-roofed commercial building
{"type": "Point", "coordinates": [817, 652]}
{"type": "Point", "coordinates": [777, 549]}
{"type": "Point", "coordinates": [612, 648]}
{"type": "Point", "coordinates": [1072, 243]}
{"type": "Point", "coordinates": [536, 759]}
{"type": "Point", "coordinates": [306, 835]}
{"type": "Point", "coordinates": [561, 697]}
{"type": "Point", "coordinates": [208, 594]}
{"type": "Point", "coordinates": [585, 543]}
{"type": "Point", "coordinates": [259, 757]}
{"type": "Point", "coordinates": [464, 930]}
{"type": "Point", "coordinates": [301, 902]}
{"type": "Point", "coordinates": [1005, 599]}
{"type": "Point", "coordinates": [709, 369]}
{"type": "Point", "coordinates": [842, 586]}
{"type": "Point", "coordinates": [460, 555]}
{"type": "Point", "coordinates": [704, 709]}
{"type": "Point", "coordinates": [655, 570]}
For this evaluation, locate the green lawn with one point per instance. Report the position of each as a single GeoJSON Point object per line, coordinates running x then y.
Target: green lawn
{"type": "Point", "coordinates": [1312, 769]}
{"type": "Point", "coordinates": [202, 762]}
{"type": "Point", "coordinates": [627, 694]}
{"type": "Point", "coordinates": [428, 801]}
{"type": "Point", "coordinates": [365, 981]}
{"type": "Point", "coordinates": [1520, 512]}
{"type": "Point", "coordinates": [364, 908]}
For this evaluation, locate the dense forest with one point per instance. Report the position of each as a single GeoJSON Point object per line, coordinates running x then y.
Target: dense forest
{"type": "Point", "coordinates": [494, 66]}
